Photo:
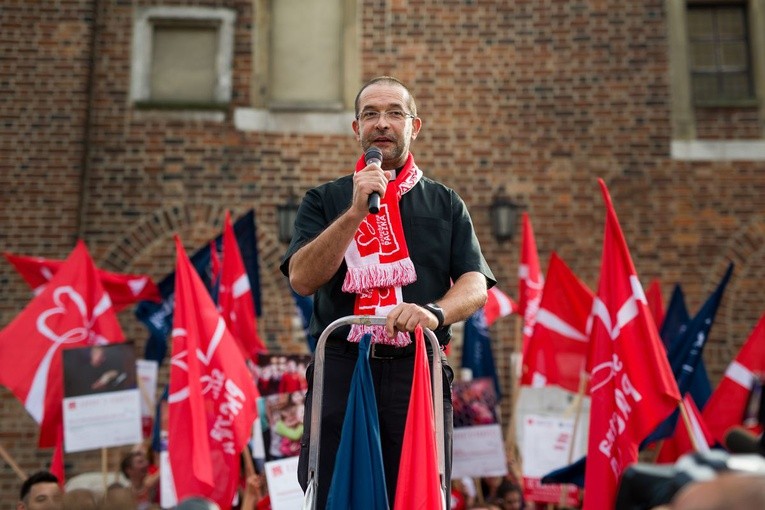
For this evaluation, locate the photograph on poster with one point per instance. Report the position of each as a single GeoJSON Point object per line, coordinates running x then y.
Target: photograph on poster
{"type": "Point", "coordinates": [99, 369]}
{"type": "Point", "coordinates": [474, 403]}
{"type": "Point", "coordinates": [281, 419]}
{"type": "Point", "coordinates": [281, 373]}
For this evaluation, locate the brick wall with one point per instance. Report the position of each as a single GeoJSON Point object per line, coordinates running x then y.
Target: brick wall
{"type": "Point", "coordinates": [541, 97]}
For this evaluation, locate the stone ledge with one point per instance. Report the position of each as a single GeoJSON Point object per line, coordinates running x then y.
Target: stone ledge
{"type": "Point", "coordinates": [267, 121]}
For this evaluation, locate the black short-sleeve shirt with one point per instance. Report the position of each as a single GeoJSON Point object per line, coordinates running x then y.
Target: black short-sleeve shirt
{"type": "Point", "coordinates": [439, 235]}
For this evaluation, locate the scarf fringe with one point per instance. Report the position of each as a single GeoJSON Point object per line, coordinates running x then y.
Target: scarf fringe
{"type": "Point", "coordinates": [402, 339]}
{"type": "Point", "coordinates": [394, 274]}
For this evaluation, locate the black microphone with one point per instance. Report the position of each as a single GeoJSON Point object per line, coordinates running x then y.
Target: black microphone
{"type": "Point", "coordinates": [373, 156]}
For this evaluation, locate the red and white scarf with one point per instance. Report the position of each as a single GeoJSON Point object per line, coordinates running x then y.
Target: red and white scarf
{"type": "Point", "coordinates": [378, 259]}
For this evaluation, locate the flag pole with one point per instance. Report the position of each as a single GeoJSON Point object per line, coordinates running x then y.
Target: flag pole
{"type": "Point", "coordinates": [688, 427]}
{"type": "Point", "coordinates": [577, 406]}
{"type": "Point", "coordinates": [578, 413]}
{"type": "Point", "coordinates": [515, 378]}
{"type": "Point", "coordinates": [147, 399]}
{"type": "Point", "coordinates": [11, 462]}
{"type": "Point", "coordinates": [104, 467]}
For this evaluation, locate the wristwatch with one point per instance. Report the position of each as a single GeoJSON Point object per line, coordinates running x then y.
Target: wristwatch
{"type": "Point", "coordinates": [437, 311]}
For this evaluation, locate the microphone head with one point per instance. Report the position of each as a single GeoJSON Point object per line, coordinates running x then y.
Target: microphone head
{"type": "Point", "coordinates": [740, 440]}
{"type": "Point", "coordinates": [373, 155]}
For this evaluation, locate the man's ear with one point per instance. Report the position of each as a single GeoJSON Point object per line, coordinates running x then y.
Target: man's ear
{"type": "Point", "coordinates": [416, 126]}
{"type": "Point", "coordinates": [355, 126]}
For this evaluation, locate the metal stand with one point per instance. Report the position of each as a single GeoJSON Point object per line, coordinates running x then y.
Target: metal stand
{"type": "Point", "coordinates": [309, 502]}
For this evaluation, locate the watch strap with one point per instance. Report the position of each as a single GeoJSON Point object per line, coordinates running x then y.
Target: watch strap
{"type": "Point", "coordinates": [437, 311]}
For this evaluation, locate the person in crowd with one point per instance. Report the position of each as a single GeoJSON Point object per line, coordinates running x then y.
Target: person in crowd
{"type": "Point", "coordinates": [291, 380]}
{"type": "Point", "coordinates": [197, 503]}
{"type": "Point", "coordinates": [510, 497]}
{"type": "Point", "coordinates": [118, 497]}
{"type": "Point", "coordinates": [459, 497]}
{"type": "Point", "coordinates": [41, 491]}
{"type": "Point", "coordinates": [487, 505]}
{"type": "Point", "coordinates": [503, 491]}
{"type": "Point", "coordinates": [256, 495]}
{"type": "Point", "coordinates": [135, 467]}
{"type": "Point", "coordinates": [417, 262]}
{"type": "Point", "coordinates": [80, 499]}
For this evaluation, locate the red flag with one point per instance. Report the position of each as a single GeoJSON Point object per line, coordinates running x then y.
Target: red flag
{"type": "Point", "coordinates": [498, 305]}
{"type": "Point", "coordinates": [632, 388]}
{"type": "Point", "coordinates": [530, 281]}
{"type": "Point", "coordinates": [680, 443]}
{"type": "Point", "coordinates": [123, 289]}
{"type": "Point", "coordinates": [72, 311]}
{"type": "Point", "coordinates": [212, 395]}
{"type": "Point", "coordinates": [726, 407]}
{"type": "Point", "coordinates": [557, 350]}
{"type": "Point", "coordinates": [235, 296]}
{"type": "Point", "coordinates": [419, 488]}
{"type": "Point", "coordinates": [655, 302]}
{"type": "Point", "coordinates": [57, 460]}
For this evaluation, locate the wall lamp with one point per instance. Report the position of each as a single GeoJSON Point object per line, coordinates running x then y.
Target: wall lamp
{"type": "Point", "coordinates": [285, 215]}
{"type": "Point", "coordinates": [504, 217]}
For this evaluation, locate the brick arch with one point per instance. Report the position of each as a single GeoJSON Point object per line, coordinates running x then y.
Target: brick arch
{"type": "Point", "coordinates": [746, 249]}
{"type": "Point", "coordinates": [147, 248]}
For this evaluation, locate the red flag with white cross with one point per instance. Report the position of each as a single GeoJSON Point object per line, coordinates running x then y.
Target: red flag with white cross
{"type": "Point", "coordinates": [498, 304]}
{"type": "Point", "coordinates": [530, 281]}
{"type": "Point", "coordinates": [557, 351]}
{"type": "Point", "coordinates": [235, 296]}
{"type": "Point", "coordinates": [727, 406]}
{"type": "Point", "coordinates": [631, 384]}
{"type": "Point", "coordinates": [124, 289]}
{"type": "Point", "coordinates": [212, 397]}
{"type": "Point", "coordinates": [73, 310]}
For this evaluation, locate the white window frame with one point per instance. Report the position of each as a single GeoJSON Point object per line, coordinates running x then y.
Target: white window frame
{"type": "Point", "coordinates": [143, 28]}
{"type": "Point", "coordinates": [268, 117]}
{"type": "Point", "coordinates": [685, 145]}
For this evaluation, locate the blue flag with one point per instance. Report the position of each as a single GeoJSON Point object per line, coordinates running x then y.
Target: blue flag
{"type": "Point", "coordinates": [676, 318]}
{"type": "Point", "coordinates": [573, 473]}
{"type": "Point", "coordinates": [359, 477]}
{"type": "Point", "coordinates": [156, 430]}
{"type": "Point", "coordinates": [685, 353]}
{"type": "Point", "coordinates": [304, 306]}
{"type": "Point", "coordinates": [476, 350]}
{"type": "Point", "coordinates": [676, 321]}
{"type": "Point", "coordinates": [158, 317]}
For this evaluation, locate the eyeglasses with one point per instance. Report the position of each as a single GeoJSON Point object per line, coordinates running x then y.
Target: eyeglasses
{"type": "Point", "coordinates": [391, 115]}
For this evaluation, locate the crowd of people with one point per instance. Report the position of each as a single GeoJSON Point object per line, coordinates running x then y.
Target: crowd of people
{"type": "Point", "coordinates": [137, 490]}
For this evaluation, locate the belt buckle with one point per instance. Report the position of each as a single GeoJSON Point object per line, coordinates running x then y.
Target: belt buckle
{"type": "Point", "coordinates": [373, 353]}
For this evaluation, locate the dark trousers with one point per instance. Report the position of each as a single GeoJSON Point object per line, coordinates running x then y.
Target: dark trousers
{"type": "Point", "coordinates": [393, 384]}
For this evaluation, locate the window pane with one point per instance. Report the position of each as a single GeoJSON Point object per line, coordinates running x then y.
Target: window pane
{"type": "Point", "coordinates": [730, 22]}
{"type": "Point", "coordinates": [183, 63]}
{"type": "Point", "coordinates": [736, 86]}
{"type": "Point", "coordinates": [719, 52]}
{"type": "Point", "coordinates": [700, 23]}
{"type": "Point", "coordinates": [703, 56]}
{"type": "Point", "coordinates": [704, 87]}
{"type": "Point", "coordinates": [306, 69]}
{"type": "Point", "coordinates": [733, 55]}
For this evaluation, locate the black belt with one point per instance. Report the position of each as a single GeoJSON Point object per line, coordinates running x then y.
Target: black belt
{"type": "Point", "coordinates": [377, 351]}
